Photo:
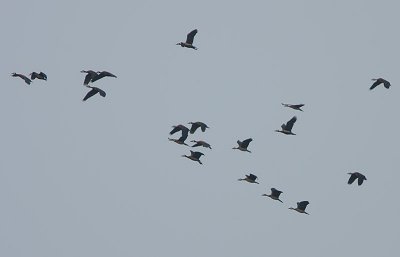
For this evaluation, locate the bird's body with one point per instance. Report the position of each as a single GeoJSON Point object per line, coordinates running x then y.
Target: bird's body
{"type": "Point", "coordinates": [242, 145]}
{"type": "Point", "coordinates": [301, 207]}
{"type": "Point", "coordinates": [41, 75]}
{"type": "Point", "coordinates": [201, 143]}
{"type": "Point", "coordinates": [294, 106]}
{"type": "Point", "coordinates": [189, 40]}
{"type": "Point", "coordinates": [354, 176]}
{"type": "Point", "coordinates": [93, 91]}
{"type": "Point", "coordinates": [379, 81]}
{"type": "Point", "coordinates": [196, 125]}
{"type": "Point", "coordinates": [180, 141]}
{"type": "Point", "coordinates": [89, 76]}
{"type": "Point", "coordinates": [102, 74]}
{"type": "Point", "coordinates": [251, 178]}
{"type": "Point", "coordinates": [287, 128]}
{"type": "Point", "coordinates": [194, 156]}
{"type": "Point", "coordinates": [274, 194]}
{"type": "Point", "coordinates": [25, 78]}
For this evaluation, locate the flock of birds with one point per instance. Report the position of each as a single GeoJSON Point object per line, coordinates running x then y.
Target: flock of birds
{"type": "Point", "coordinates": [286, 128]}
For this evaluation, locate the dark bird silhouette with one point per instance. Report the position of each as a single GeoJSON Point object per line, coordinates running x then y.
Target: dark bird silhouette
{"type": "Point", "coordinates": [201, 143]}
{"type": "Point", "coordinates": [189, 40]}
{"type": "Point", "coordinates": [301, 207]}
{"type": "Point", "coordinates": [242, 146]}
{"type": "Point", "coordinates": [380, 81]}
{"type": "Point", "coordinates": [196, 125]}
{"type": "Point", "coordinates": [94, 91]}
{"type": "Point", "coordinates": [251, 178]}
{"type": "Point", "coordinates": [185, 132]}
{"type": "Point", "coordinates": [194, 156]}
{"type": "Point", "coordinates": [294, 106]}
{"type": "Point", "coordinates": [354, 176]}
{"type": "Point", "coordinates": [180, 141]}
{"type": "Point", "coordinates": [89, 76]}
{"type": "Point", "coordinates": [41, 75]}
{"type": "Point", "coordinates": [102, 74]}
{"type": "Point", "coordinates": [27, 80]}
{"type": "Point", "coordinates": [274, 194]}
{"type": "Point", "coordinates": [287, 128]}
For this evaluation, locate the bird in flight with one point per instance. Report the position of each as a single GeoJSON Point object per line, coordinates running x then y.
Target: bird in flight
{"type": "Point", "coordinates": [242, 145]}
{"type": "Point", "coordinates": [194, 156]}
{"type": "Point", "coordinates": [294, 106]}
{"type": "Point", "coordinates": [251, 178]}
{"type": "Point", "coordinates": [287, 128]}
{"type": "Point", "coordinates": [379, 81]}
{"type": "Point", "coordinates": [93, 91]}
{"type": "Point", "coordinates": [354, 176]}
{"type": "Point", "coordinates": [275, 193]}
{"type": "Point", "coordinates": [196, 125]}
{"type": "Point", "coordinates": [41, 75]}
{"type": "Point", "coordinates": [301, 207]}
{"type": "Point", "coordinates": [189, 40]}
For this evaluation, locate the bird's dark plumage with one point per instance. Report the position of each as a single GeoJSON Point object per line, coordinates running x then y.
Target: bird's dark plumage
{"type": "Point", "coordinates": [379, 81]}
{"type": "Point", "coordinates": [294, 106]}
{"type": "Point", "coordinates": [25, 78]}
{"type": "Point", "coordinates": [89, 76]}
{"type": "Point", "coordinates": [102, 74]}
{"type": "Point", "coordinates": [189, 40]}
{"type": "Point", "coordinates": [41, 75]}
{"type": "Point", "coordinates": [196, 125]}
{"type": "Point", "coordinates": [354, 176]}
{"type": "Point", "coordinates": [93, 91]}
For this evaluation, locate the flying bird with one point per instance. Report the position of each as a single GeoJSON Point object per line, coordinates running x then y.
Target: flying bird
{"type": "Point", "coordinates": [201, 143]}
{"type": "Point", "coordinates": [194, 156]}
{"type": "Point", "coordinates": [287, 128]}
{"type": "Point", "coordinates": [242, 146]}
{"type": "Point", "coordinates": [189, 40]}
{"type": "Point", "coordinates": [354, 176]}
{"type": "Point", "coordinates": [180, 141]}
{"type": "Point", "coordinates": [251, 178]}
{"type": "Point", "coordinates": [102, 74]}
{"type": "Point", "coordinates": [294, 106]}
{"type": "Point", "coordinates": [41, 75]}
{"type": "Point", "coordinates": [301, 207]}
{"type": "Point", "coordinates": [94, 91]}
{"type": "Point", "coordinates": [274, 194]}
{"type": "Point", "coordinates": [380, 81]}
{"type": "Point", "coordinates": [27, 80]}
{"type": "Point", "coordinates": [196, 125]}
{"type": "Point", "coordinates": [89, 76]}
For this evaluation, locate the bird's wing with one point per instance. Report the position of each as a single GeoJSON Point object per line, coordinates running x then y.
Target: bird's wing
{"type": "Point", "coordinates": [376, 83]}
{"type": "Point", "coordinates": [182, 138]}
{"type": "Point", "coordinates": [275, 192]}
{"type": "Point", "coordinates": [386, 84]}
{"type": "Point", "coordinates": [203, 127]}
{"type": "Point", "coordinates": [197, 144]}
{"type": "Point", "coordinates": [90, 94]}
{"type": "Point", "coordinates": [88, 77]}
{"type": "Point", "coordinates": [246, 142]}
{"type": "Point", "coordinates": [360, 181]}
{"type": "Point", "coordinates": [174, 130]}
{"type": "Point", "coordinates": [27, 80]}
{"type": "Point", "coordinates": [195, 125]}
{"type": "Point", "coordinates": [102, 75]}
{"type": "Point", "coordinates": [44, 76]}
{"type": "Point", "coordinates": [101, 92]}
{"type": "Point", "coordinates": [302, 205]}
{"type": "Point", "coordinates": [197, 155]}
{"type": "Point", "coordinates": [290, 123]}
{"type": "Point", "coordinates": [33, 75]}
{"type": "Point", "coordinates": [297, 105]}
{"type": "Point", "coordinates": [190, 36]}
{"type": "Point", "coordinates": [352, 178]}
{"type": "Point", "coordinates": [252, 176]}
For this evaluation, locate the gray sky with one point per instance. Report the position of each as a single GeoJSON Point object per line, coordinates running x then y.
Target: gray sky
{"type": "Point", "coordinates": [99, 178]}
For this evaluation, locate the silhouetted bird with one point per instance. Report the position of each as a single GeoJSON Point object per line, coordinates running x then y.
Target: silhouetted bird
{"type": "Point", "coordinates": [287, 128]}
{"type": "Point", "coordinates": [242, 146]}
{"type": "Point", "coordinates": [180, 141]}
{"type": "Point", "coordinates": [251, 178]}
{"type": "Point", "coordinates": [27, 80]}
{"type": "Point", "coordinates": [194, 156]}
{"type": "Point", "coordinates": [102, 74]}
{"type": "Point", "coordinates": [354, 176]}
{"type": "Point", "coordinates": [380, 81]}
{"type": "Point", "coordinates": [301, 207]}
{"type": "Point", "coordinates": [94, 91]}
{"type": "Point", "coordinates": [41, 75]}
{"type": "Point", "coordinates": [294, 106]}
{"type": "Point", "coordinates": [274, 194]}
{"type": "Point", "coordinates": [201, 143]}
{"type": "Point", "coordinates": [189, 40]}
{"type": "Point", "coordinates": [196, 125]}
{"type": "Point", "coordinates": [89, 76]}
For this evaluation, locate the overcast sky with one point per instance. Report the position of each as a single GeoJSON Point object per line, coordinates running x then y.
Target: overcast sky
{"type": "Point", "coordinates": [100, 178]}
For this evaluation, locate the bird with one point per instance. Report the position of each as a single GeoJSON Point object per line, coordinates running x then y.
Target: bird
{"type": "Point", "coordinates": [189, 40]}
{"type": "Point", "coordinates": [354, 176]}
{"type": "Point", "coordinates": [41, 75]}
{"type": "Point", "coordinates": [251, 178]}
{"type": "Point", "coordinates": [196, 125]}
{"type": "Point", "coordinates": [27, 80]}
{"type": "Point", "coordinates": [242, 146]}
{"type": "Point", "coordinates": [294, 106]}
{"type": "Point", "coordinates": [201, 143]}
{"type": "Point", "coordinates": [301, 207]}
{"type": "Point", "coordinates": [179, 127]}
{"type": "Point", "coordinates": [94, 91]}
{"type": "Point", "coordinates": [89, 76]}
{"type": "Point", "coordinates": [102, 74]}
{"type": "Point", "coordinates": [380, 81]}
{"type": "Point", "coordinates": [194, 156]}
{"type": "Point", "coordinates": [274, 194]}
{"type": "Point", "coordinates": [287, 128]}
{"type": "Point", "coordinates": [180, 141]}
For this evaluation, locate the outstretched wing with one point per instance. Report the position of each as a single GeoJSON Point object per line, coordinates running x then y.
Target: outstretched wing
{"type": "Point", "coordinates": [302, 205]}
{"type": "Point", "coordinates": [102, 75]}
{"type": "Point", "coordinates": [290, 123]}
{"type": "Point", "coordinates": [352, 178]}
{"type": "Point", "coordinates": [376, 83]}
{"type": "Point", "coordinates": [195, 126]}
{"type": "Point", "coordinates": [246, 142]}
{"type": "Point", "coordinates": [275, 192]}
{"type": "Point", "coordinates": [101, 92]}
{"type": "Point", "coordinates": [90, 94]}
{"type": "Point", "coordinates": [252, 177]}
{"type": "Point", "coordinates": [190, 36]}
{"type": "Point", "coordinates": [88, 77]}
{"type": "Point", "coordinates": [386, 84]}
{"type": "Point", "coordinates": [197, 155]}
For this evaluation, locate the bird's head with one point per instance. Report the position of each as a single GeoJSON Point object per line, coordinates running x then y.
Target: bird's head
{"type": "Point", "coordinates": [84, 71]}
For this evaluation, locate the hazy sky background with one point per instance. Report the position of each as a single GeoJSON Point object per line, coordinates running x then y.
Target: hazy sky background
{"type": "Point", "coordinates": [100, 178]}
